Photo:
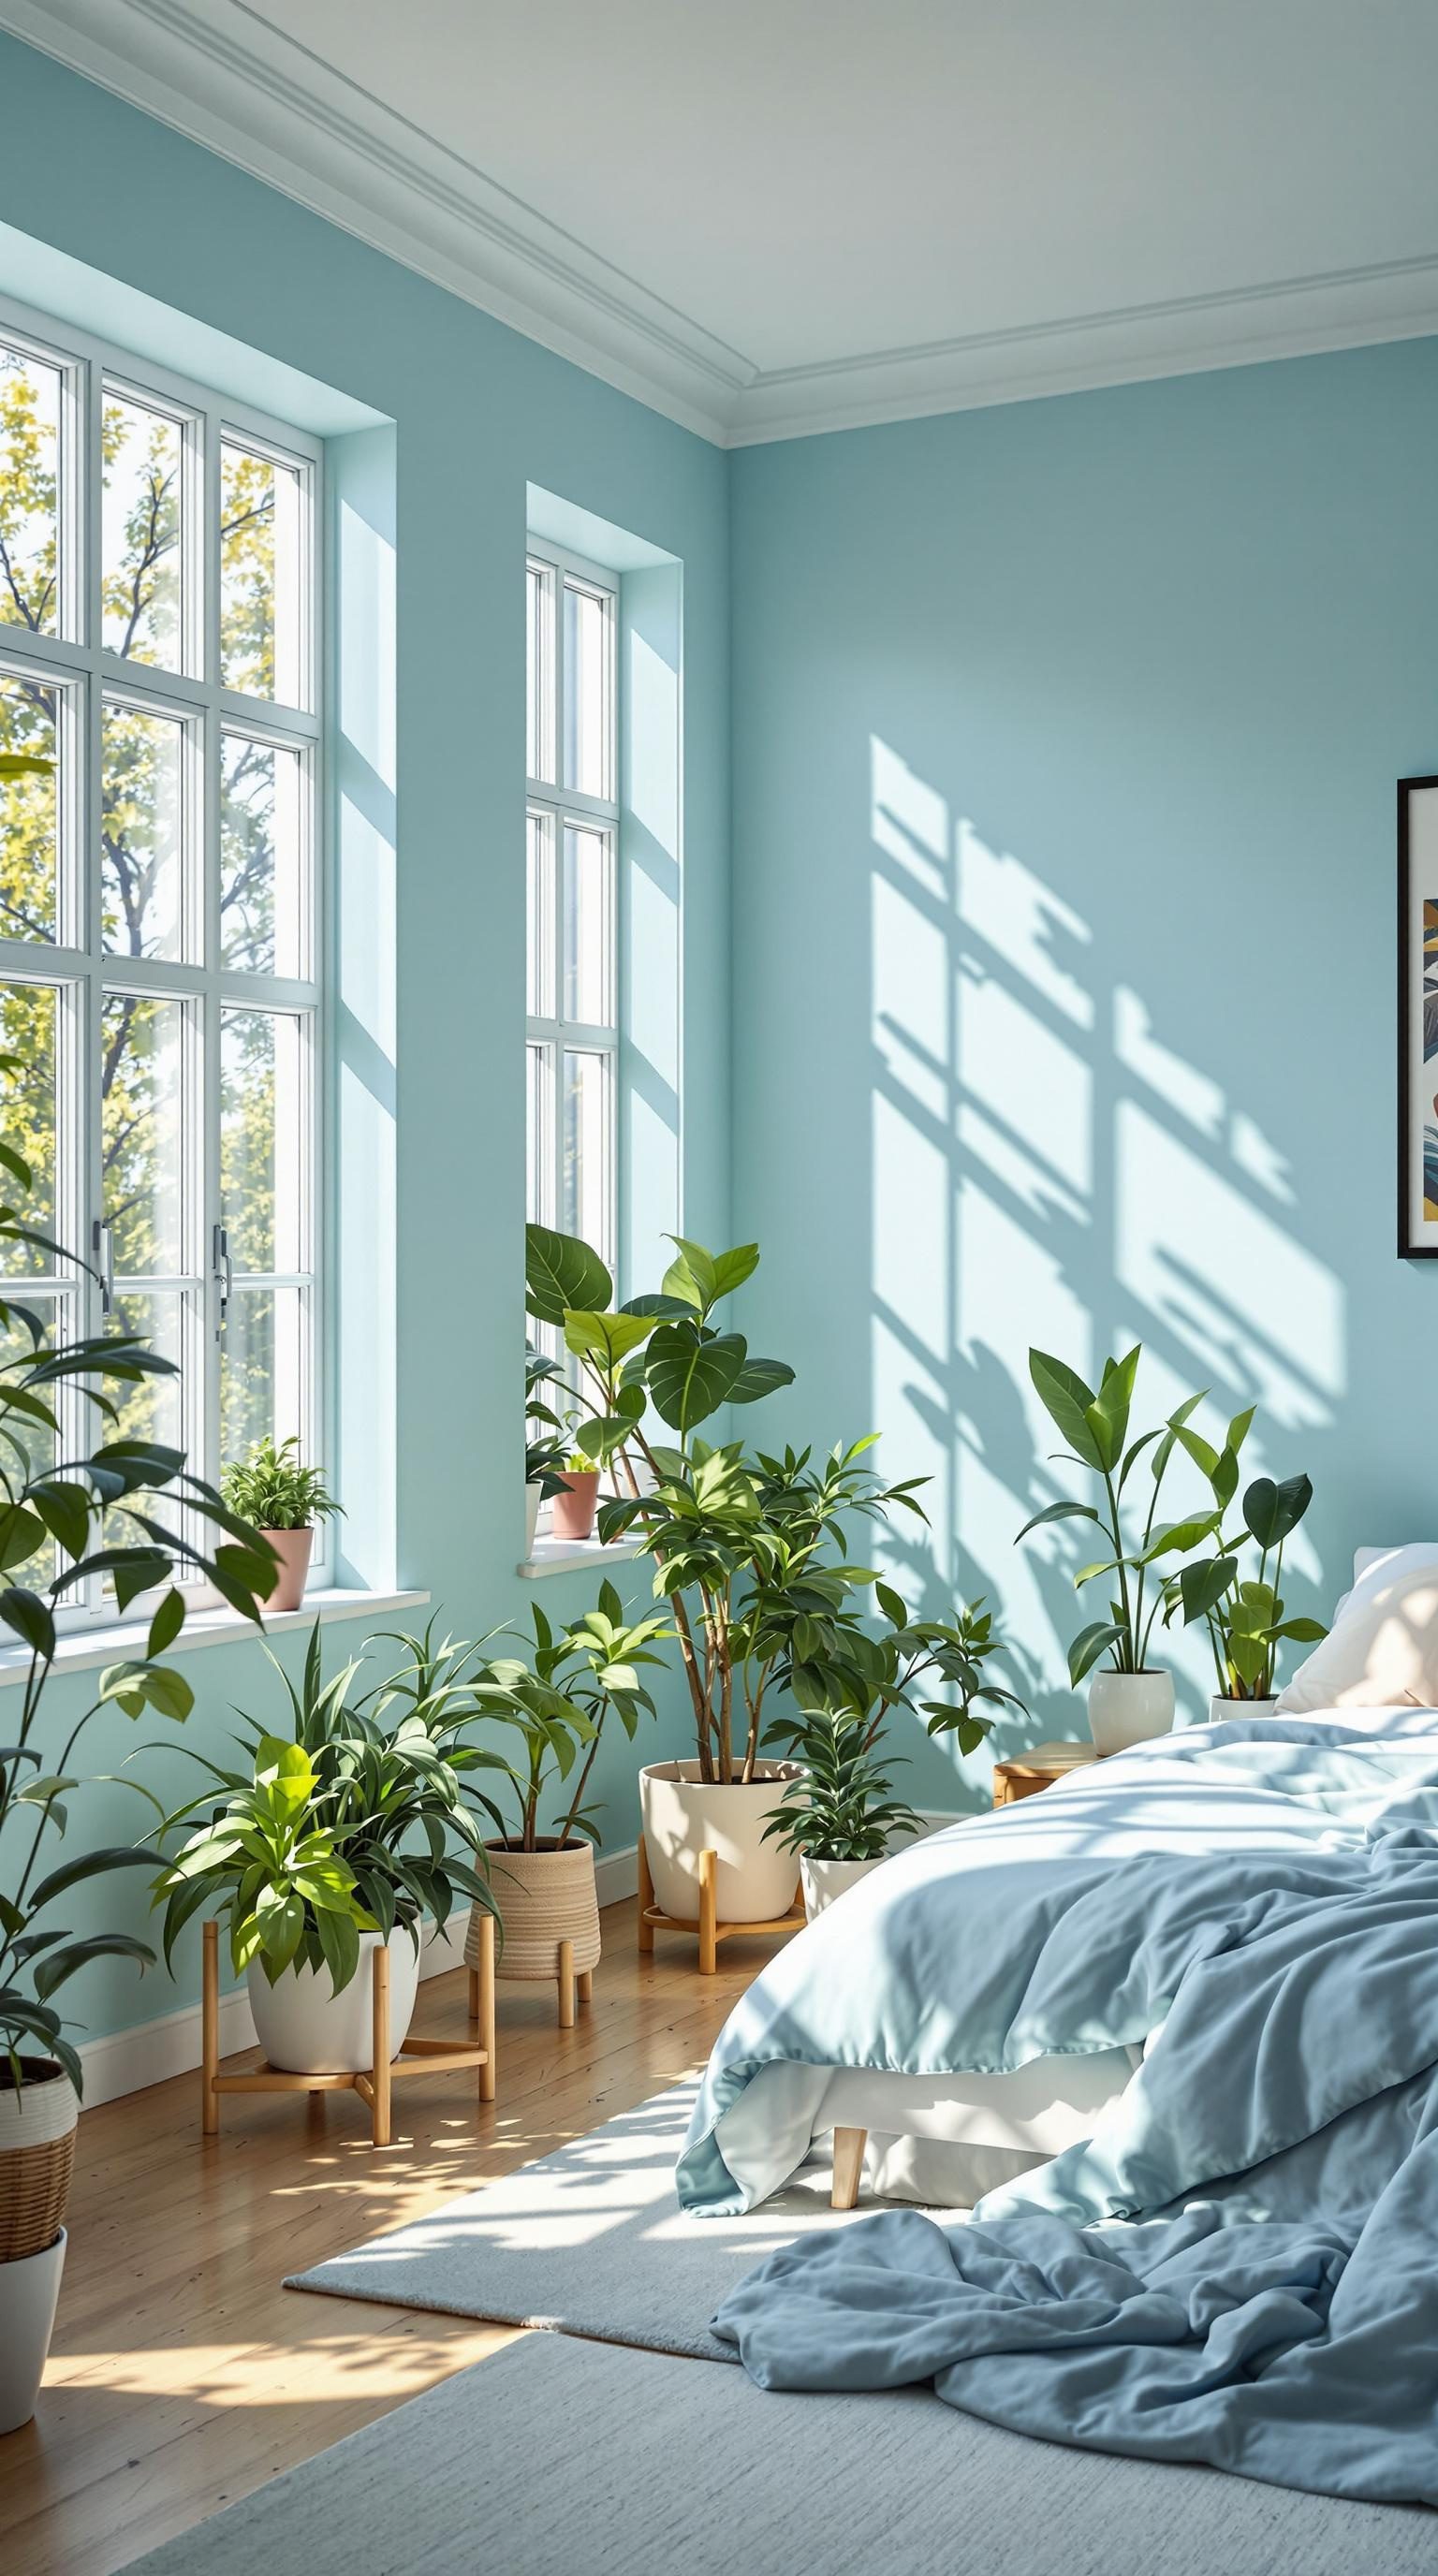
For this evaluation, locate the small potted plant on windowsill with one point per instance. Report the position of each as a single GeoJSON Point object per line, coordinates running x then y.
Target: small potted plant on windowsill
{"type": "Point", "coordinates": [282, 1500]}
{"type": "Point", "coordinates": [576, 1499]}
{"type": "Point", "coordinates": [844, 1819]}
{"type": "Point", "coordinates": [545, 1447]}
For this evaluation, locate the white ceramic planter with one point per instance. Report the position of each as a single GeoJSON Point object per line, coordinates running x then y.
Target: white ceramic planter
{"type": "Point", "coordinates": [533, 1495]}
{"type": "Point", "coordinates": [684, 1815]}
{"type": "Point", "coordinates": [1128, 1708]}
{"type": "Point", "coordinates": [305, 2028]}
{"type": "Point", "coordinates": [1220, 1710]}
{"type": "Point", "coordinates": [29, 2291]}
{"type": "Point", "coordinates": [823, 1880]}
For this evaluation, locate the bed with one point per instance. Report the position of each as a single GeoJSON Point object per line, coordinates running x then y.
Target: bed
{"type": "Point", "coordinates": [870, 2027]}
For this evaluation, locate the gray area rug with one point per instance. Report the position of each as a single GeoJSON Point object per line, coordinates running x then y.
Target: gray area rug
{"type": "Point", "coordinates": [557, 2456]}
{"type": "Point", "coordinates": [589, 2241]}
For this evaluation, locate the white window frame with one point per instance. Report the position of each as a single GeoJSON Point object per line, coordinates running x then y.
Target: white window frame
{"type": "Point", "coordinates": [78, 662]}
{"type": "Point", "coordinates": [558, 804]}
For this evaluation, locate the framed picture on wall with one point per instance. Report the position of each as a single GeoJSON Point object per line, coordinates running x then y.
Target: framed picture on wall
{"type": "Point", "coordinates": [1418, 1019]}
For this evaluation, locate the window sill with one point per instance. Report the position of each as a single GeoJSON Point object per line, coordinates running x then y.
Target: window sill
{"type": "Point", "coordinates": [87, 1649]}
{"type": "Point", "coordinates": [570, 1556]}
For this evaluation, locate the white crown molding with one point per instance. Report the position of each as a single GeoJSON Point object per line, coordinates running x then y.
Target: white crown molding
{"type": "Point", "coordinates": [230, 81]}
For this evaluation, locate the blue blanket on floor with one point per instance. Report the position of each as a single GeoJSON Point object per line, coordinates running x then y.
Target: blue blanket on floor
{"type": "Point", "coordinates": [1241, 2265]}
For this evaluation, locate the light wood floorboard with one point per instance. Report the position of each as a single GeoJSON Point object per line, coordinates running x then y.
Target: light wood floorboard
{"type": "Point", "coordinates": [182, 2374]}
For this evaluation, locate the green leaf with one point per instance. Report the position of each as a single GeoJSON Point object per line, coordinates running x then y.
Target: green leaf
{"type": "Point", "coordinates": [690, 1376]}
{"type": "Point", "coordinates": [72, 1873]}
{"type": "Point", "coordinates": [1304, 1632]}
{"type": "Point", "coordinates": [1067, 1400]}
{"type": "Point", "coordinates": [892, 1605]}
{"type": "Point", "coordinates": [1092, 1642]}
{"type": "Point", "coordinates": [1175, 1538]}
{"type": "Point", "coordinates": [604, 1337]}
{"type": "Point", "coordinates": [560, 1272]}
{"type": "Point", "coordinates": [166, 1624]}
{"type": "Point", "coordinates": [1202, 1587]}
{"type": "Point", "coordinates": [1107, 1416]}
{"type": "Point", "coordinates": [1060, 1512]}
{"type": "Point", "coordinates": [759, 1378]}
{"type": "Point", "coordinates": [65, 1512]}
{"type": "Point", "coordinates": [21, 1532]}
{"type": "Point", "coordinates": [58, 1965]}
{"type": "Point", "coordinates": [30, 1618]}
{"type": "Point", "coordinates": [1271, 1512]}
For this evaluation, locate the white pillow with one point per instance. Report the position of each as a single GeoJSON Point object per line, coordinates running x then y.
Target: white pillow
{"type": "Point", "coordinates": [1382, 1650]}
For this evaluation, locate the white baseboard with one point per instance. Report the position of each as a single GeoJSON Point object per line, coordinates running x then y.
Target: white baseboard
{"type": "Point", "coordinates": [130, 2060]}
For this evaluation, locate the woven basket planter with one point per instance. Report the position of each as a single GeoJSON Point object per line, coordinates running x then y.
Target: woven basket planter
{"type": "Point", "coordinates": [37, 2154]}
{"type": "Point", "coordinates": [544, 1897]}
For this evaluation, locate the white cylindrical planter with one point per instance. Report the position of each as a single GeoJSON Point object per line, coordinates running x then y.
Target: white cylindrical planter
{"type": "Point", "coordinates": [1220, 1710]}
{"type": "Point", "coordinates": [1128, 1708]}
{"type": "Point", "coordinates": [305, 2028]}
{"type": "Point", "coordinates": [29, 2291]}
{"type": "Point", "coordinates": [823, 1880]}
{"type": "Point", "coordinates": [684, 1815]}
{"type": "Point", "coordinates": [533, 1495]}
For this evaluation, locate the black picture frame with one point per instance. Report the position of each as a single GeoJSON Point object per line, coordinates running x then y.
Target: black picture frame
{"type": "Point", "coordinates": [1417, 1032]}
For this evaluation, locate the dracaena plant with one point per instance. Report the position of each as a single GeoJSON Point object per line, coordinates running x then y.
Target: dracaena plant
{"type": "Point", "coordinates": [81, 1505]}
{"type": "Point", "coordinates": [1094, 1422]}
{"type": "Point", "coordinates": [846, 1685]}
{"type": "Point", "coordinates": [1243, 1614]}
{"type": "Point", "coordinates": [557, 1697]}
{"type": "Point", "coordinates": [358, 1818]}
{"type": "Point", "coordinates": [274, 1490]}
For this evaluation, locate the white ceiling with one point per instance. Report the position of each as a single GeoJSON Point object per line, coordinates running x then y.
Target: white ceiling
{"type": "Point", "coordinates": [776, 215]}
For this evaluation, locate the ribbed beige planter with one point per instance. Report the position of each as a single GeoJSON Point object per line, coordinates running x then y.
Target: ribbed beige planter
{"type": "Point", "coordinates": [549, 1914]}
{"type": "Point", "coordinates": [684, 1815]}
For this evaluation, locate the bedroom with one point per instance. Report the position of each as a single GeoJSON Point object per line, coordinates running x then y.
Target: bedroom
{"type": "Point", "coordinates": [970, 478]}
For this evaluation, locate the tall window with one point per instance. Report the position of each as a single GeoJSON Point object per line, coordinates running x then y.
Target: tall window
{"type": "Point", "coordinates": [159, 953]}
{"type": "Point", "coordinates": [573, 823]}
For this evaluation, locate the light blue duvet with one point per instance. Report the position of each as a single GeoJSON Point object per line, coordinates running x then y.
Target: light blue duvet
{"type": "Point", "coordinates": [1241, 2265]}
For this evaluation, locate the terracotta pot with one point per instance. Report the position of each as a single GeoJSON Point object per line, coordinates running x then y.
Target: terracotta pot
{"type": "Point", "coordinates": [574, 1509]}
{"type": "Point", "coordinates": [684, 1815]}
{"type": "Point", "coordinates": [544, 1897]}
{"type": "Point", "coordinates": [1128, 1708]}
{"type": "Point", "coordinates": [293, 1548]}
{"type": "Point", "coordinates": [37, 2152]}
{"type": "Point", "coordinates": [305, 2028]}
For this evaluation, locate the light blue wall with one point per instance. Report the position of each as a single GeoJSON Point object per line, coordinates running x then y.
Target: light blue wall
{"type": "Point", "coordinates": [479, 412]}
{"type": "Point", "coordinates": [1065, 742]}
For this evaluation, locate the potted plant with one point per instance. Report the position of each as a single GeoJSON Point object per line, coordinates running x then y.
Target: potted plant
{"type": "Point", "coordinates": [349, 1830]}
{"type": "Point", "coordinates": [557, 1697]}
{"type": "Point", "coordinates": [746, 1548]}
{"type": "Point", "coordinates": [92, 1518]}
{"type": "Point", "coordinates": [843, 1819]}
{"type": "Point", "coordinates": [1130, 1700]}
{"type": "Point", "coordinates": [544, 1443]}
{"type": "Point", "coordinates": [576, 1497]}
{"type": "Point", "coordinates": [1244, 1617]}
{"type": "Point", "coordinates": [283, 1500]}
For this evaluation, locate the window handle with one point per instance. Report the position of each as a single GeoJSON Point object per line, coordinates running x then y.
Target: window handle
{"type": "Point", "coordinates": [224, 1275]}
{"type": "Point", "coordinates": [102, 1244]}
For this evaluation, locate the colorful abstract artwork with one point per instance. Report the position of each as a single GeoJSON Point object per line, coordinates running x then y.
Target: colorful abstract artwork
{"type": "Point", "coordinates": [1418, 1019]}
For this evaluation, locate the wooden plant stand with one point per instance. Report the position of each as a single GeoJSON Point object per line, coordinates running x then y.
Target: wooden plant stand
{"type": "Point", "coordinates": [416, 2056]}
{"type": "Point", "coordinates": [709, 1928]}
{"type": "Point", "coordinates": [567, 1983]}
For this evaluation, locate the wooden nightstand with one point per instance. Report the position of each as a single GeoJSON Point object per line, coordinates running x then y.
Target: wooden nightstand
{"type": "Point", "coordinates": [1029, 1772]}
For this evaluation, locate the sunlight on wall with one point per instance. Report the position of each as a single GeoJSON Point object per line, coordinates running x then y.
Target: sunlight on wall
{"type": "Point", "coordinates": [1049, 1170]}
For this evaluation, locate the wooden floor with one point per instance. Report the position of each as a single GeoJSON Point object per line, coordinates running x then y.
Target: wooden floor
{"type": "Point", "coordinates": [182, 2374]}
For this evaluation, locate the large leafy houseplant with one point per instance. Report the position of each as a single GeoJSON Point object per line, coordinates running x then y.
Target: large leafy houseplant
{"type": "Point", "coordinates": [845, 1809]}
{"type": "Point", "coordinates": [557, 1697]}
{"type": "Point", "coordinates": [749, 1548]}
{"type": "Point", "coordinates": [357, 1818]}
{"type": "Point", "coordinates": [1094, 1423]}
